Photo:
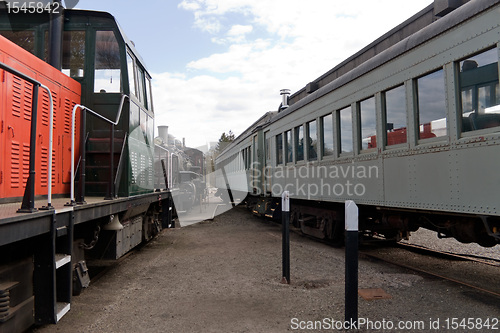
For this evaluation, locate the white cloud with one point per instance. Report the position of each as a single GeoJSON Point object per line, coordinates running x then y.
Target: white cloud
{"type": "Point", "coordinates": [294, 43]}
{"type": "Point", "coordinates": [236, 34]}
{"type": "Point", "coordinates": [238, 30]}
{"type": "Point", "coordinates": [202, 107]}
{"type": "Point", "coordinates": [208, 24]}
{"type": "Point", "coordinates": [190, 5]}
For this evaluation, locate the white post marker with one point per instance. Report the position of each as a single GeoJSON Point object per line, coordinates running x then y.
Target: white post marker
{"type": "Point", "coordinates": [285, 201]}
{"type": "Point", "coordinates": [351, 216]}
{"type": "Point", "coordinates": [285, 227]}
{"type": "Point", "coordinates": [351, 261]}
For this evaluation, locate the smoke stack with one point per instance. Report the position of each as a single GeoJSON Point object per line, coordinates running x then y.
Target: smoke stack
{"type": "Point", "coordinates": [163, 134]}
{"type": "Point", "coordinates": [183, 142]}
{"type": "Point", "coordinates": [284, 95]}
{"type": "Point", "coordinates": [56, 27]}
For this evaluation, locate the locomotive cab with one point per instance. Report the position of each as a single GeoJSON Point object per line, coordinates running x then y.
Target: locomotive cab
{"type": "Point", "coordinates": [115, 84]}
{"type": "Point", "coordinates": [101, 81]}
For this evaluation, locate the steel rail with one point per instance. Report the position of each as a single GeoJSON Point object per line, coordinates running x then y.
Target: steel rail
{"type": "Point", "coordinates": [429, 273]}
{"type": "Point", "coordinates": [420, 248]}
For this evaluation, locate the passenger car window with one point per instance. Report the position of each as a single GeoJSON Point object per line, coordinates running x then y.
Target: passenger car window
{"type": "Point", "coordinates": [279, 149]}
{"type": "Point", "coordinates": [249, 157]}
{"type": "Point", "coordinates": [288, 147]}
{"type": "Point", "coordinates": [368, 123]}
{"type": "Point", "coordinates": [345, 119]}
{"type": "Point", "coordinates": [395, 116]}
{"type": "Point", "coordinates": [299, 142]}
{"type": "Point", "coordinates": [327, 135]}
{"type": "Point", "coordinates": [480, 91]}
{"type": "Point", "coordinates": [312, 140]}
{"type": "Point", "coordinates": [267, 147]}
{"type": "Point", "coordinates": [431, 99]}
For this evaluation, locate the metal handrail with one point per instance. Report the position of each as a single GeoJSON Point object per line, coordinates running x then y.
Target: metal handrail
{"type": "Point", "coordinates": [169, 165]}
{"type": "Point", "coordinates": [114, 123]}
{"type": "Point", "coordinates": [51, 143]}
{"type": "Point", "coordinates": [120, 108]}
{"type": "Point", "coordinates": [30, 187]}
{"type": "Point", "coordinates": [171, 170]}
{"type": "Point", "coordinates": [120, 163]}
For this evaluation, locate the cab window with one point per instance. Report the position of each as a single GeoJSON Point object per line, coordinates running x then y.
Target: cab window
{"type": "Point", "coordinates": [131, 74]}
{"type": "Point", "coordinates": [140, 86]}
{"type": "Point", "coordinates": [107, 63]}
{"type": "Point", "coordinates": [73, 58]}
{"type": "Point", "coordinates": [23, 38]}
{"type": "Point", "coordinates": [149, 95]}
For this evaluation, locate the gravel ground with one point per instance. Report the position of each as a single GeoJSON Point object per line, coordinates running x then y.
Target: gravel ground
{"type": "Point", "coordinates": [224, 276]}
{"type": "Point", "coordinates": [430, 239]}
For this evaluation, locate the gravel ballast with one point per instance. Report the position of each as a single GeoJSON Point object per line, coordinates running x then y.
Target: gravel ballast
{"type": "Point", "coordinates": [225, 276]}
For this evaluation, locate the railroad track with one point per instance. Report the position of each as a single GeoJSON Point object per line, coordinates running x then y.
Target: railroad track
{"type": "Point", "coordinates": [454, 267]}
{"type": "Point", "coordinates": [450, 255]}
{"type": "Point", "coordinates": [473, 272]}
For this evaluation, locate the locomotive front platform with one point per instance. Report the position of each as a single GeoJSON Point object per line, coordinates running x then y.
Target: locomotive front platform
{"type": "Point", "coordinates": [43, 259]}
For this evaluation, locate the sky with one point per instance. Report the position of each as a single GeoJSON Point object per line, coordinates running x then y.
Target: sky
{"type": "Point", "coordinates": [218, 65]}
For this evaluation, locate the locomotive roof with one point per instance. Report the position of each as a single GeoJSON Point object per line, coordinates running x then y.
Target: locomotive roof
{"type": "Point", "coordinates": [374, 55]}
{"type": "Point", "coordinates": [28, 21]}
{"type": "Point", "coordinates": [411, 33]}
{"type": "Point", "coordinates": [393, 36]}
{"type": "Point", "coordinates": [406, 36]}
{"type": "Point", "coordinates": [93, 13]}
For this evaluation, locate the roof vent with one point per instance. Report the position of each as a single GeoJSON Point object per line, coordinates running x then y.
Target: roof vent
{"type": "Point", "coordinates": [284, 95]}
{"type": "Point", "coordinates": [443, 7]}
{"type": "Point", "coordinates": [312, 87]}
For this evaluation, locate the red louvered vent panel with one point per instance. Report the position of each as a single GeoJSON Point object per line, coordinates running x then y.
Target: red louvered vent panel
{"type": "Point", "coordinates": [67, 116]}
{"type": "Point", "coordinates": [45, 108]}
{"type": "Point", "coordinates": [44, 171]}
{"type": "Point", "coordinates": [26, 162]}
{"type": "Point", "coordinates": [17, 96]}
{"type": "Point", "coordinates": [56, 108]}
{"type": "Point", "coordinates": [15, 169]}
{"type": "Point", "coordinates": [28, 100]}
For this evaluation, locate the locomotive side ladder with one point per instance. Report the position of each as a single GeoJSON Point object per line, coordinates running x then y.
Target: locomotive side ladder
{"type": "Point", "coordinates": [53, 269]}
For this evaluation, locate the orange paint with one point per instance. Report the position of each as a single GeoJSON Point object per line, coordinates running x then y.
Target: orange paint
{"type": "Point", "coordinates": [15, 122]}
